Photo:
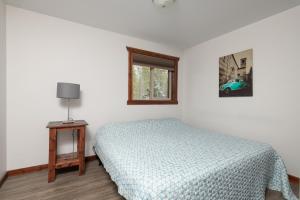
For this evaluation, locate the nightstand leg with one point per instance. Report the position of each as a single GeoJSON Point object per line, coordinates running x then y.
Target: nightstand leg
{"type": "Point", "coordinates": [52, 155]}
{"type": "Point", "coordinates": [81, 150]}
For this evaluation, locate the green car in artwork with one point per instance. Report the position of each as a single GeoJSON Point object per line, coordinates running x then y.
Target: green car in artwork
{"type": "Point", "coordinates": [233, 85]}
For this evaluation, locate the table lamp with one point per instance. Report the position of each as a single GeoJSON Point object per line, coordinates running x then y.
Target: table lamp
{"type": "Point", "coordinates": [68, 91]}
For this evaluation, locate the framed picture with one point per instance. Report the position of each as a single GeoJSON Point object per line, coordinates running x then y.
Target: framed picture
{"type": "Point", "coordinates": [236, 74]}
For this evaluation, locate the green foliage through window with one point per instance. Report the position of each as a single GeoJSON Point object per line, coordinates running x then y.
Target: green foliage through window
{"type": "Point", "coordinates": [150, 83]}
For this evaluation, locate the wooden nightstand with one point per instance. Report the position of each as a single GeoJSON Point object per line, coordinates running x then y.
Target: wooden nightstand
{"type": "Point", "coordinates": [66, 160]}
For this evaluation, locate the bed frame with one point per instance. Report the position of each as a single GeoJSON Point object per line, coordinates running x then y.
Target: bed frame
{"type": "Point", "coordinates": [99, 160]}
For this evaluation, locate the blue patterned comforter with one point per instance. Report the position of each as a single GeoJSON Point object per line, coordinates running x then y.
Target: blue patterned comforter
{"type": "Point", "coordinates": [169, 160]}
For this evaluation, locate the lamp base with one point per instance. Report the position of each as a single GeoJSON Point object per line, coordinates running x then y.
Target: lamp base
{"type": "Point", "coordinates": [68, 122]}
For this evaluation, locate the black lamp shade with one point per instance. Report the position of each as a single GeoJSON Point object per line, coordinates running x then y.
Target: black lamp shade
{"type": "Point", "coordinates": [68, 91]}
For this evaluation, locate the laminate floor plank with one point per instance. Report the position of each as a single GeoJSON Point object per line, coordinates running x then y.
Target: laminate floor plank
{"type": "Point", "coordinates": [94, 185]}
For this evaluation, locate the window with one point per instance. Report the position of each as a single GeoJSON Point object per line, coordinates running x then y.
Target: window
{"type": "Point", "coordinates": [150, 83]}
{"type": "Point", "coordinates": [152, 78]}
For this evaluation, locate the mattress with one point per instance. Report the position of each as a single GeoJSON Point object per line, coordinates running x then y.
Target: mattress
{"type": "Point", "coordinates": [168, 159]}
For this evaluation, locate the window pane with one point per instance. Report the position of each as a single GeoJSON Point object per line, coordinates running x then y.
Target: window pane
{"type": "Point", "coordinates": [160, 79]}
{"type": "Point", "coordinates": [140, 82]}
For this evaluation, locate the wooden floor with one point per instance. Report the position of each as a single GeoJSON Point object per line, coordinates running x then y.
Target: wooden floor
{"type": "Point", "coordinates": [94, 185]}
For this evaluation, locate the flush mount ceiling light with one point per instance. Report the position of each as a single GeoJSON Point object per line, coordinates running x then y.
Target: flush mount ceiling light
{"type": "Point", "coordinates": [163, 3]}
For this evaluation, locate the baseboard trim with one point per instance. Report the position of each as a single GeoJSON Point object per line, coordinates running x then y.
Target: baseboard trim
{"type": "Point", "coordinates": [294, 179]}
{"type": "Point", "coordinates": [90, 158]}
{"type": "Point", "coordinates": [26, 170]}
{"type": "Point", "coordinates": [37, 168]}
{"type": "Point", "coordinates": [2, 180]}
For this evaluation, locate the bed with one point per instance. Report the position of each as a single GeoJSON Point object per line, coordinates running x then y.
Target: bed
{"type": "Point", "coordinates": [166, 159]}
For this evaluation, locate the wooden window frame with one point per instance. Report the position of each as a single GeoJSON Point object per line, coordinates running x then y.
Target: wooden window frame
{"type": "Point", "coordinates": [174, 77]}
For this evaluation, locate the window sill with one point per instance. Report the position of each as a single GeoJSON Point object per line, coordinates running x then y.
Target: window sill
{"type": "Point", "coordinates": [151, 102]}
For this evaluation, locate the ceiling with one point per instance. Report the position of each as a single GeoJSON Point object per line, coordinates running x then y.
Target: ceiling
{"type": "Point", "coordinates": [184, 24]}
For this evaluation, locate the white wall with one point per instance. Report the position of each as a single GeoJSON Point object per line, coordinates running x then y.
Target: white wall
{"type": "Point", "coordinates": [43, 50]}
{"type": "Point", "coordinates": [2, 92]}
{"type": "Point", "coordinates": [272, 114]}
